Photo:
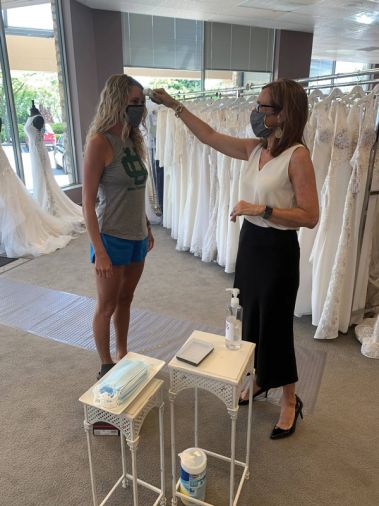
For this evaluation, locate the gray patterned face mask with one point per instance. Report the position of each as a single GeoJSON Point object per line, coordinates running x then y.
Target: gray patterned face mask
{"type": "Point", "coordinates": [257, 121]}
{"type": "Point", "coordinates": [134, 114]}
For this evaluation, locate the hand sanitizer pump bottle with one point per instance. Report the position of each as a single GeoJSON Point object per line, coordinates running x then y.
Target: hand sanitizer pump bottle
{"type": "Point", "coordinates": [233, 324]}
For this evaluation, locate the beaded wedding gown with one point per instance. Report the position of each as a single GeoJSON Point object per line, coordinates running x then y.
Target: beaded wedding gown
{"type": "Point", "coordinates": [337, 308]}
{"type": "Point", "coordinates": [26, 230]}
{"type": "Point", "coordinates": [321, 123]}
{"type": "Point", "coordinates": [45, 188]}
{"type": "Point", "coordinates": [332, 203]}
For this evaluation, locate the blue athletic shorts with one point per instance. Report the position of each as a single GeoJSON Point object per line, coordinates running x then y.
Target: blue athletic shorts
{"type": "Point", "coordinates": [122, 251]}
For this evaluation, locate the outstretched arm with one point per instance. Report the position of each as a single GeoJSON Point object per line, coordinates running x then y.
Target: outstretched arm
{"type": "Point", "coordinates": [230, 146]}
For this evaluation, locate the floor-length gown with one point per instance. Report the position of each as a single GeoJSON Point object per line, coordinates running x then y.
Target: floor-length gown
{"type": "Point", "coordinates": [169, 168]}
{"type": "Point", "coordinates": [182, 161]}
{"type": "Point", "coordinates": [26, 230]}
{"type": "Point", "coordinates": [175, 183]}
{"type": "Point", "coordinates": [46, 190]}
{"type": "Point", "coordinates": [223, 173]}
{"type": "Point", "coordinates": [209, 253]}
{"type": "Point", "coordinates": [372, 300]}
{"type": "Point", "coordinates": [322, 123]}
{"type": "Point", "coordinates": [366, 141]}
{"type": "Point", "coordinates": [237, 128]}
{"type": "Point", "coordinates": [201, 222]}
{"type": "Point", "coordinates": [332, 204]}
{"type": "Point", "coordinates": [336, 311]}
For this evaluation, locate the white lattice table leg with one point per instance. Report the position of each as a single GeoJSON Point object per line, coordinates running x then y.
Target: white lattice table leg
{"type": "Point", "coordinates": [133, 445]}
{"type": "Point", "coordinates": [161, 447]}
{"type": "Point", "coordinates": [125, 482]}
{"type": "Point", "coordinates": [87, 428]}
{"type": "Point", "coordinates": [233, 415]}
{"type": "Point", "coordinates": [196, 421]}
{"type": "Point", "coordinates": [174, 500]}
{"type": "Point", "coordinates": [249, 420]}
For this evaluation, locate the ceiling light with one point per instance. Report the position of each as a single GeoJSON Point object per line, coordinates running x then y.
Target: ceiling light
{"type": "Point", "coordinates": [365, 19]}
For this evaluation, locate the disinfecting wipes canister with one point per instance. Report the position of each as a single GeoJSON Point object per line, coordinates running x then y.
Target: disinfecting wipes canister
{"type": "Point", "coordinates": [193, 463]}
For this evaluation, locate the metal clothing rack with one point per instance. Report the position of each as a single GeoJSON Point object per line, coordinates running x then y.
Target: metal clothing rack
{"type": "Point", "coordinates": [239, 90]}
{"type": "Point", "coordinates": [358, 73]}
{"type": "Point", "coordinates": [341, 85]}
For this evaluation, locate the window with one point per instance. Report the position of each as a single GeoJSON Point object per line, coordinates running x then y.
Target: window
{"type": "Point", "coordinates": [174, 81]}
{"type": "Point", "coordinates": [329, 67]}
{"type": "Point", "coordinates": [36, 73]}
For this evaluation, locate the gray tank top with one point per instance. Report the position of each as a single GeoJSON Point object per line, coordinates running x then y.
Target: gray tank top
{"type": "Point", "coordinates": [120, 208]}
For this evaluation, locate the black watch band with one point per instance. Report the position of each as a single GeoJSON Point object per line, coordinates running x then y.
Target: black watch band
{"type": "Point", "coordinates": [267, 213]}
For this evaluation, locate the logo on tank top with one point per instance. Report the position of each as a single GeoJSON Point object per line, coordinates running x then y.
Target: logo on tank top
{"type": "Point", "coordinates": [134, 167]}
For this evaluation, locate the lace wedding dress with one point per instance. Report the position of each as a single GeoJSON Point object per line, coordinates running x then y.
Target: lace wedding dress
{"type": "Point", "coordinates": [45, 188]}
{"type": "Point", "coordinates": [209, 253]}
{"type": "Point", "coordinates": [367, 333]}
{"type": "Point", "coordinates": [25, 229]}
{"type": "Point", "coordinates": [322, 125]}
{"type": "Point", "coordinates": [336, 312]}
{"type": "Point", "coordinates": [332, 203]}
{"type": "Point", "coordinates": [372, 300]}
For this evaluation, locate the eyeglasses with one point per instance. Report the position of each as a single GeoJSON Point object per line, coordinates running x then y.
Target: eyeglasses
{"type": "Point", "coordinates": [258, 107]}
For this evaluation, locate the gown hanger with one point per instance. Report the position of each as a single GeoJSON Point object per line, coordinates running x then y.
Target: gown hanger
{"type": "Point", "coordinates": [316, 94]}
{"type": "Point", "coordinates": [335, 93]}
{"type": "Point", "coordinates": [314, 97]}
{"type": "Point", "coordinates": [355, 93]}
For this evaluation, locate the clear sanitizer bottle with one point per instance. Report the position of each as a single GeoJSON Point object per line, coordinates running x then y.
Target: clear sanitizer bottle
{"type": "Point", "coordinates": [233, 324]}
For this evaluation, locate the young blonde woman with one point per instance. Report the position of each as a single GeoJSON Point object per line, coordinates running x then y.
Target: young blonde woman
{"type": "Point", "coordinates": [114, 209]}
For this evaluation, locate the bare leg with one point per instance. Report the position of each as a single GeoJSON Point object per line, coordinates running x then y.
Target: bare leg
{"type": "Point", "coordinates": [130, 277]}
{"type": "Point", "coordinates": [288, 404]}
{"type": "Point", "coordinates": [107, 295]}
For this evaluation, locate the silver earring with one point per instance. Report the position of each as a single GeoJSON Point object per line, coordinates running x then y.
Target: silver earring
{"type": "Point", "coordinates": [278, 132]}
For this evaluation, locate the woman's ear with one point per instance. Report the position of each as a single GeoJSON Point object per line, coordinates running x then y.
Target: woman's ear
{"type": "Point", "coordinates": [280, 117]}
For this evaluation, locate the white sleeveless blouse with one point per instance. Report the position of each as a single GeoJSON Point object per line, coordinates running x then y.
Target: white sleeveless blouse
{"type": "Point", "coordinates": [270, 186]}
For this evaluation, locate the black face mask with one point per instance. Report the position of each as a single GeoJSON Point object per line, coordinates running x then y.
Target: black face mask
{"type": "Point", "coordinates": [257, 121]}
{"type": "Point", "coordinates": [134, 114]}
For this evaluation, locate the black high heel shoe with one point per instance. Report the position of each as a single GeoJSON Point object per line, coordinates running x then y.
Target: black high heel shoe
{"type": "Point", "coordinates": [244, 402]}
{"type": "Point", "coordinates": [278, 433]}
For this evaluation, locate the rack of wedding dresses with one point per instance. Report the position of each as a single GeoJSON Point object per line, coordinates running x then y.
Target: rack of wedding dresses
{"type": "Point", "coordinates": [199, 183]}
{"type": "Point", "coordinates": [335, 256]}
{"type": "Point", "coordinates": [201, 186]}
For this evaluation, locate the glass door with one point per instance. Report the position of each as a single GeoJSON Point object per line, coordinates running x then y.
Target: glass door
{"type": "Point", "coordinates": [32, 39]}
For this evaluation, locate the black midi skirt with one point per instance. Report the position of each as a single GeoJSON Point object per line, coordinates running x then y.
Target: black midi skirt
{"type": "Point", "coordinates": [267, 274]}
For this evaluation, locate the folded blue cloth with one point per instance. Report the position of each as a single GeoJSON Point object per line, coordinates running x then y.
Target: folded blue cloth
{"type": "Point", "coordinates": [119, 384]}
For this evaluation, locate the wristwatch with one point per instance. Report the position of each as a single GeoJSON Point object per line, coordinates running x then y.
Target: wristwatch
{"type": "Point", "coordinates": [267, 213]}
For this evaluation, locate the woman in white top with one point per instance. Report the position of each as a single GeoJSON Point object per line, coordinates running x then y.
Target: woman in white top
{"type": "Point", "coordinates": [278, 195]}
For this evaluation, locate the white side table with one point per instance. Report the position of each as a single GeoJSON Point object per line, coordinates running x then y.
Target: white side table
{"type": "Point", "coordinates": [129, 422]}
{"type": "Point", "coordinates": [222, 373]}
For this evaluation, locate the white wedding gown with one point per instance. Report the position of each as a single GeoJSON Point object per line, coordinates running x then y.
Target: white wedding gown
{"type": "Point", "coordinates": [25, 229]}
{"type": "Point", "coordinates": [209, 253]}
{"type": "Point", "coordinates": [46, 190]}
{"type": "Point", "coordinates": [322, 124]}
{"type": "Point", "coordinates": [367, 138]}
{"type": "Point", "coordinates": [337, 308]}
{"type": "Point", "coordinates": [332, 203]}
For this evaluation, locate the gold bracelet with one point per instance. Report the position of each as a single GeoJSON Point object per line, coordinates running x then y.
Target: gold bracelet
{"type": "Point", "coordinates": [178, 110]}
